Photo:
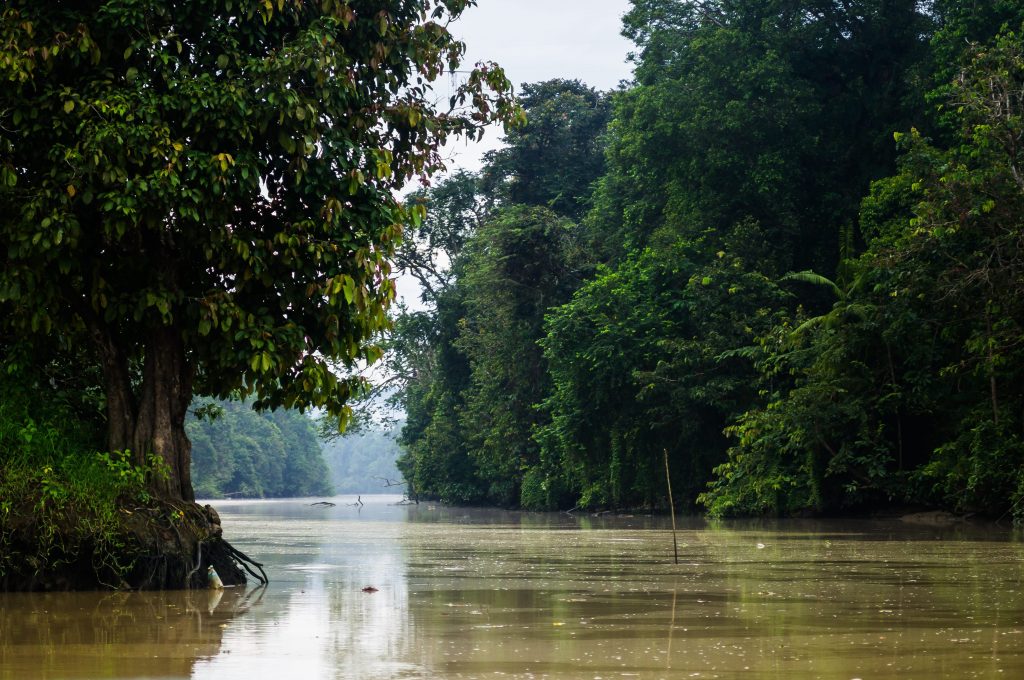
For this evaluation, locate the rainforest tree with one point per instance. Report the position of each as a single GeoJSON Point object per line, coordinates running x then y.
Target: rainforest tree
{"type": "Point", "coordinates": [206, 191]}
{"type": "Point", "coordinates": [495, 253]}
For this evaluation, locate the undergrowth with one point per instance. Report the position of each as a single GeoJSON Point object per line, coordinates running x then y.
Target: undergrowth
{"type": "Point", "coordinates": [60, 499]}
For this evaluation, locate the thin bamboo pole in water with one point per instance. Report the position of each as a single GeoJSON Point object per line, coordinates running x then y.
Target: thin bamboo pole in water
{"type": "Point", "coordinates": [672, 509]}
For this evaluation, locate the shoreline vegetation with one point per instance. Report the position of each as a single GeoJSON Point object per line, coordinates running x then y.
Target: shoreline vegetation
{"type": "Point", "coordinates": [789, 253]}
{"type": "Point", "coordinates": [73, 518]}
{"type": "Point", "coordinates": [782, 267]}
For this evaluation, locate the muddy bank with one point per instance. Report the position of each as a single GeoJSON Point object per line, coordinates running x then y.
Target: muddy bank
{"type": "Point", "coordinates": [167, 545]}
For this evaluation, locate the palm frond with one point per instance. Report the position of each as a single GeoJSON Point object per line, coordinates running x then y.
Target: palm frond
{"type": "Point", "coordinates": [816, 279]}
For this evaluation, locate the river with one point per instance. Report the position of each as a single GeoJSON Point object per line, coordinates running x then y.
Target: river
{"type": "Point", "coordinates": [489, 594]}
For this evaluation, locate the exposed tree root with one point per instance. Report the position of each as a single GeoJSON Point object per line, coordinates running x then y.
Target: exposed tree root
{"type": "Point", "coordinates": [167, 546]}
{"type": "Point", "coordinates": [245, 561]}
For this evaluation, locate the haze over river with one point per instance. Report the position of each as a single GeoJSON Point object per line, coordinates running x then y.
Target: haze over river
{"type": "Point", "coordinates": [489, 594]}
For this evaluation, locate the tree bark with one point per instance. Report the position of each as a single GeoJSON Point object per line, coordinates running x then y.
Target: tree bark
{"type": "Point", "coordinates": [163, 405]}
{"type": "Point", "coordinates": [154, 422]}
{"type": "Point", "coordinates": [117, 385]}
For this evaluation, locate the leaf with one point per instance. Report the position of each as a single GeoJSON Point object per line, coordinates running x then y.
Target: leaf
{"type": "Point", "coordinates": [373, 354]}
{"type": "Point", "coordinates": [813, 278]}
{"type": "Point", "coordinates": [348, 287]}
{"type": "Point", "coordinates": [287, 142]}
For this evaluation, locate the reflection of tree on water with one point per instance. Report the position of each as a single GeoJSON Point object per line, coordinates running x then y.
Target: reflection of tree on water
{"type": "Point", "coordinates": [118, 635]}
{"type": "Point", "coordinates": [317, 621]}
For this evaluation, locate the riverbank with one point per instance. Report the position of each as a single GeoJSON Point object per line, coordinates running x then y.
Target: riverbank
{"type": "Point", "coordinates": [76, 518]}
{"type": "Point", "coordinates": [159, 545]}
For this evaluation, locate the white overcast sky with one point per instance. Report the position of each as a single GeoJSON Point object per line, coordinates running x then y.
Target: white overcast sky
{"type": "Point", "coordinates": [536, 40]}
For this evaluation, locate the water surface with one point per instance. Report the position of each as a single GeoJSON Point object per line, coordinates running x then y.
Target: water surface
{"type": "Point", "coordinates": [488, 594]}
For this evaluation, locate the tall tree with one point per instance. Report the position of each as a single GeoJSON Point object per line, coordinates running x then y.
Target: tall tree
{"type": "Point", "coordinates": [452, 211]}
{"type": "Point", "coordinates": [525, 261]}
{"type": "Point", "coordinates": [206, 190]}
{"type": "Point", "coordinates": [495, 254]}
{"type": "Point", "coordinates": [778, 111]}
{"type": "Point", "coordinates": [552, 159]}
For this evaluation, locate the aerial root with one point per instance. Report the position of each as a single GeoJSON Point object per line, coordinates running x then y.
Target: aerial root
{"type": "Point", "coordinates": [245, 561]}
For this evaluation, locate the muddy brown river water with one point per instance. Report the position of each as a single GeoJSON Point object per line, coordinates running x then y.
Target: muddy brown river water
{"type": "Point", "coordinates": [488, 594]}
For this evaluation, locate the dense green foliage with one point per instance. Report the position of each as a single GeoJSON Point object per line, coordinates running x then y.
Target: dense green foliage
{"type": "Point", "coordinates": [239, 452]}
{"type": "Point", "coordinates": [205, 192]}
{"type": "Point", "coordinates": [53, 483]}
{"type": "Point", "coordinates": [908, 388]}
{"type": "Point", "coordinates": [473, 366]}
{"type": "Point", "coordinates": [806, 314]}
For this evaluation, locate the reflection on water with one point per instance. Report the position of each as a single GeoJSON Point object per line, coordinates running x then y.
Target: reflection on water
{"type": "Point", "coordinates": [114, 635]}
{"type": "Point", "coordinates": [487, 594]}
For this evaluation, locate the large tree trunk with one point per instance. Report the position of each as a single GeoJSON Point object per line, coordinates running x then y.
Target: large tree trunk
{"type": "Point", "coordinates": [153, 422]}
{"type": "Point", "coordinates": [163, 405]}
{"type": "Point", "coordinates": [118, 388]}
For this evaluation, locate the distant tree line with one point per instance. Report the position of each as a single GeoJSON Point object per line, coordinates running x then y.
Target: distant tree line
{"type": "Point", "coordinates": [239, 452]}
{"type": "Point", "coordinates": [789, 253]}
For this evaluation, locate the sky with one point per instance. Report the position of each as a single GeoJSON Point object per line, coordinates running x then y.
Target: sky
{"type": "Point", "coordinates": [536, 40]}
